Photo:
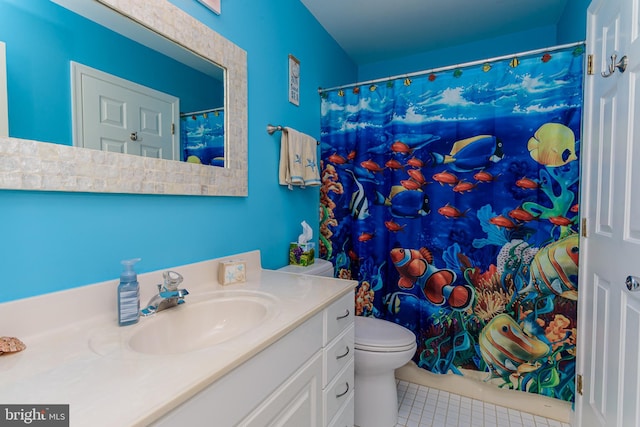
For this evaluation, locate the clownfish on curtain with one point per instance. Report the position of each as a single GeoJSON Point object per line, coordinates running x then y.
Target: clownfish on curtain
{"type": "Point", "coordinates": [452, 198]}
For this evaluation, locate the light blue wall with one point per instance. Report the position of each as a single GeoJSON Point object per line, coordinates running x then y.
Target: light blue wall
{"type": "Point", "coordinates": [55, 241]}
{"type": "Point", "coordinates": [482, 49]}
{"type": "Point", "coordinates": [572, 25]}
{"type": "Point", "coordinates": [570, 28]}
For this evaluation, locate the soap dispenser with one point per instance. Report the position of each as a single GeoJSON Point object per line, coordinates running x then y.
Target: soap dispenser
{"type": "Point", "coordinates": [128, 294]}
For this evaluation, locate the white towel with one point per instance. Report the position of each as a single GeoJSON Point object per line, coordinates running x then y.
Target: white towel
{"type": "Point", "coordinates": [298, 159]}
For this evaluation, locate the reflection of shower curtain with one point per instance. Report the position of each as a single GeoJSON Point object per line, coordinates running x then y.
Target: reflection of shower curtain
{"type": "Point", "coordinates": [453, 199]}
{"type": "Point", "coordinates": [202, 137]}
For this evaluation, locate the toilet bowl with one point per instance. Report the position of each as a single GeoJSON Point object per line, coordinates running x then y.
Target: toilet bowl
{"type": "Point", "coordinates": [380, 348]}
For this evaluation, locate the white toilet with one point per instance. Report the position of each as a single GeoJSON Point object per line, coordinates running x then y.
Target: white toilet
{"type": "Point", "coordinates": [380, 348]}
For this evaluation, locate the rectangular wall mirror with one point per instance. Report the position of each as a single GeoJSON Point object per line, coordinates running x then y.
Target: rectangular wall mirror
{"type": "Point", "coordinates": [106, 96]}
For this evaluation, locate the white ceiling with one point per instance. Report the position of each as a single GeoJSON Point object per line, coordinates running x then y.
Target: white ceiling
{"type": "Point", "coordinates": [377, 30]}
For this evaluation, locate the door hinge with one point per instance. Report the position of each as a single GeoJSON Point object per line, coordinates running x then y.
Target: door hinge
{"type": "Point", "coordinates": [579, 384]}
{"type": "Point", "coordinates": [583, 227]}
{"type": "Point", "coordinates": [173, 128]}
{"type": "Point", "coordinates": [590, 64]}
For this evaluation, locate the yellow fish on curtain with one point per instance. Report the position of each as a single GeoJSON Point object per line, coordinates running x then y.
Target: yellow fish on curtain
{"type": "Point", "coordinates": [453, 199]}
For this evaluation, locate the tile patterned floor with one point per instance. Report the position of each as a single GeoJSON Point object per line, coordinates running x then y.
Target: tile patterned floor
{"type": "Point", "coordinates": [422, 406]}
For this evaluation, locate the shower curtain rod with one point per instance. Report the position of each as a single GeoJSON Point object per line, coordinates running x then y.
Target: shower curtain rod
{"type": "Point", "coordinates": [210, 110]}
{"type": "Point", "coordinates": [451, 67]}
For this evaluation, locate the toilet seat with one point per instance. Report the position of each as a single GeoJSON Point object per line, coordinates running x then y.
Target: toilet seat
{"type": "Point", "coordinates": [382, 336]}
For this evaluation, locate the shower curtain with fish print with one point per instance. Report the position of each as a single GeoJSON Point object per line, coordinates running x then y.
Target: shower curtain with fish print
{"type": "Point", "coordinates": [202, 137]}
{"type": "Point", "coordinates": [452, 198]}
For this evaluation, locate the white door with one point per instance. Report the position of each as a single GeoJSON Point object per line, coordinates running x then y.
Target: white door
{"type": "Point", "coordinates": [4, 111]}
{"type": "Point", "coordinates": [608, 358]}
{"type": "Point", "coordinates": [113, 114]}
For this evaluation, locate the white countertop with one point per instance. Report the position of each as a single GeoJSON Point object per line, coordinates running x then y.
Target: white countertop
{"type": "Point", "coordinates": [125, 388]}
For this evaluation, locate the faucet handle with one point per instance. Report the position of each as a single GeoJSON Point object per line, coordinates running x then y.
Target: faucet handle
{"type": "Point", "coordinates": [171, 280]}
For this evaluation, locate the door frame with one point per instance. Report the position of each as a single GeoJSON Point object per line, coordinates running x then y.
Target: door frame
{"type": "Point", "coordinates": [4, 105]}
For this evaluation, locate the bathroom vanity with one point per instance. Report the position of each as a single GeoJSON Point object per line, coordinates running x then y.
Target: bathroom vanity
{"type": "Point", "coordinates": [287, 359]}
{"type": "Point", "coordinates": [304, 379]}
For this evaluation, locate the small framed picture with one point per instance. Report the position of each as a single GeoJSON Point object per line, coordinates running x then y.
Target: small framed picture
{"type": "Point", "coordinates": [213, 5]}
{"type": "Point", "coordinates": [294, 80]}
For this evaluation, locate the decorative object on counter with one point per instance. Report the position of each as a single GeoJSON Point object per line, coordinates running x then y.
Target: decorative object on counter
{"type": "Point", "coordinates": [302, 252]}
{"type": "Point", "coordinates": [212, 5]}
{"type": "Point", "coordinates": [230, 272]}
{"type": "Point", "coordinates": [298, 159]}
{"type": "Point", "coordinates": [11, 345]}
{"type": "Point", "coordinates": [128, 295]}
{"type": "Point", "coordinates": [294, 80]}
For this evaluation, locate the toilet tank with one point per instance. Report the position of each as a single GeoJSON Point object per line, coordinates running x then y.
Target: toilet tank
{"type": "Point", "coordinates": [320, 267]}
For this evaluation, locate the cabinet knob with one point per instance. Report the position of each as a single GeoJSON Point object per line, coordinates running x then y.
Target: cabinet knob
{"type": "Point", "coordinates": [345, 392]}
{"type": "Point", "coordinates": [343, 355]}
{"type": "Point", "coordinates": [344, 316]}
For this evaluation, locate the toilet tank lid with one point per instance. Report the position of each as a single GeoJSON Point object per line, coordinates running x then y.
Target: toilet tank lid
{"type": "Point", "coordinates": [373, 332]}
{"type": "Point", "coordinates": [320, 267]}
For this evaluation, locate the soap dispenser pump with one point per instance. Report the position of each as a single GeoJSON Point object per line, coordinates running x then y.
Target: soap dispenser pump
{"type": "Point", "coordinates": [128, 294]}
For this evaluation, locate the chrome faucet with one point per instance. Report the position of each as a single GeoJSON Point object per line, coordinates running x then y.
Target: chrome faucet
{"type": "Point", "coordinates": [168, 294]}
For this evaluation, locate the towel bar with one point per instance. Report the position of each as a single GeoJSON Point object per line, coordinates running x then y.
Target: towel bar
{"type": "Point", "coordinates": [271, 129]}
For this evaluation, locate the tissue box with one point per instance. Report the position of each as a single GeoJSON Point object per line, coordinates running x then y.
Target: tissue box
{"type": "Point", "coordinates": [303, 255]}
{"type": "Point", "coordinates": [232, 272]}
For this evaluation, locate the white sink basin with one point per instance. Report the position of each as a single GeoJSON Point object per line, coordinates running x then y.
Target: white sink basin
{"type": "Point", "coordinates": [204, 321]}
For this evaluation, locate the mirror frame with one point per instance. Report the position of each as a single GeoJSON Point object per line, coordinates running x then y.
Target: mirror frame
{"type": "Point", "coordinates": [38, 165]}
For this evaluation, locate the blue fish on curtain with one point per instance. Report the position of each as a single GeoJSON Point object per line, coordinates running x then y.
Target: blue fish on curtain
{"type": "Point", "coordinates": [452, 198]}
{"type": "Point", "coordinates": [202, 137]}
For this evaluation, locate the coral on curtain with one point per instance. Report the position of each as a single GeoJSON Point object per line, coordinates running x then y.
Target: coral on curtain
{"type": "Point", "coordinates": [452, 198]}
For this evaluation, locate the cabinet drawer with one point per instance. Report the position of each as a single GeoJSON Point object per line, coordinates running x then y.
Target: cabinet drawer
{"type": "Point", "coordinates": [345, 416]}
{"type": "Point", "coordinates": [338, 316]}
{"type": "Point", "coordinates": [338, 391]}
{"type": "Point", "coordinates": [338, 354]}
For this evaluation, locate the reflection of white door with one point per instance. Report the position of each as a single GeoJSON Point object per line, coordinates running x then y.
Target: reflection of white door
{"type": "Point", "coordinates": [113, 114]}
{"type": "Point", "coordinates": [4, 110]}
{"type": "Point", "coordinates": [609, 314]}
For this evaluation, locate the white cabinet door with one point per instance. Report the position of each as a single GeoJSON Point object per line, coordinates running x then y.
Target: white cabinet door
{"type": "Point", "coordinates": [297, 403]}
{"type": "Point", "coordinates": [292, 364]}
